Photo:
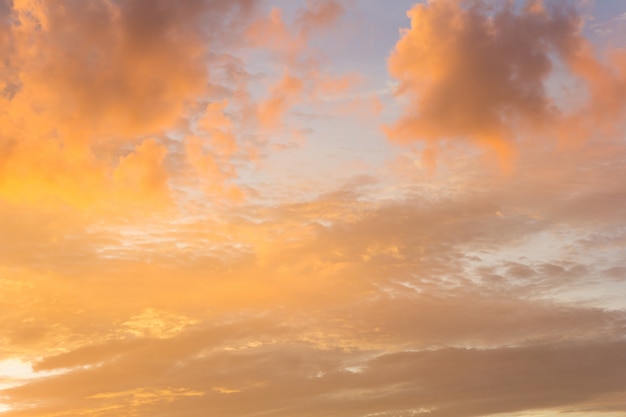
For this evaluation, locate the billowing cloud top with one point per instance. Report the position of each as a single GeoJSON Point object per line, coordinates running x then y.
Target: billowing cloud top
{"type": "Point", "coordinates": [312, 208]}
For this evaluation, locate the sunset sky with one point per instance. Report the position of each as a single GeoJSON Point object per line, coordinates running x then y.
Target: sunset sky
{"type": "Point", "coordinates": [312, 208]}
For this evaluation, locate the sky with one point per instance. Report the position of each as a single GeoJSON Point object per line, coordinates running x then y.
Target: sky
{"type": "Point", "coordinates": [337, 208]}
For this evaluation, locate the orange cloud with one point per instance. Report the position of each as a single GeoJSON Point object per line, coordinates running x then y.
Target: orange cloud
{"type": "Point", "coordinates": [472, 72]}
{"type": "Point", "coordinates": [290, 47]}
{"type": "Point", "coordinates": [86, 81]}
{"type": "Point", "coordinates": [142, 171]}
{"type": "Point", "coordinates": [131, 284]}
{"type": "Point", "coordinates": [291, 41]}
{"type": "Point", "coordinates": [601, 115]}
{"type": "Point", "coordinates": [319, 15]}
{"type": "Point", "coordinates": [119, 69]}
{"type": "Point", "coordinates": [282, 97]}
{"type": "Point", "coordinates": [355, 294]}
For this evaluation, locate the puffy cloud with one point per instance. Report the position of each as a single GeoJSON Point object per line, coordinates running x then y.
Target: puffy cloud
{"type": "Point", "coordinates": [479, 72]}
{"type": "Point", "coordinates": [86, 81]}
{"type": "Point", "coordinates": [121, 68]}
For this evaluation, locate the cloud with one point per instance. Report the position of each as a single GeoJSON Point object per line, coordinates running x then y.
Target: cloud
{"type": "Point", "coordinates": [143, 171]}
{"type": "Point", "coordinates": [265, 365]}
{"type": "Point", "coordinates": [87, 81]}
{"type": "Point", "coordinates": [472, 71]}
{"type": "Point", "coordinates": [281, 98]}
{"type": "Point", "coordinates": [133, 284]}
{"type": "Point", "coordinates": [341, 305]}
{"type": "Point", "coordinates": [304, 77]}
{"type": "Point", "coordinates": [124, 68]}
{"type": "Point", "coordinates": [602, 114]}
{"type": "Point", "coordinates": [319, 15]}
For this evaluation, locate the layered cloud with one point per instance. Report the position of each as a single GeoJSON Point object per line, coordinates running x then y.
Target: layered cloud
{"type": "Point", "coordinates": [344, 305]}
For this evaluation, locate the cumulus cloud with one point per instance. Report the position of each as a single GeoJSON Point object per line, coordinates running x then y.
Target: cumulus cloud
{"type": "Point", "coordinates": [88, 81]}
{"type": "Point", "coordinates": [120, 68]}
{"type": "Point", "coordinates": [479, 71]}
